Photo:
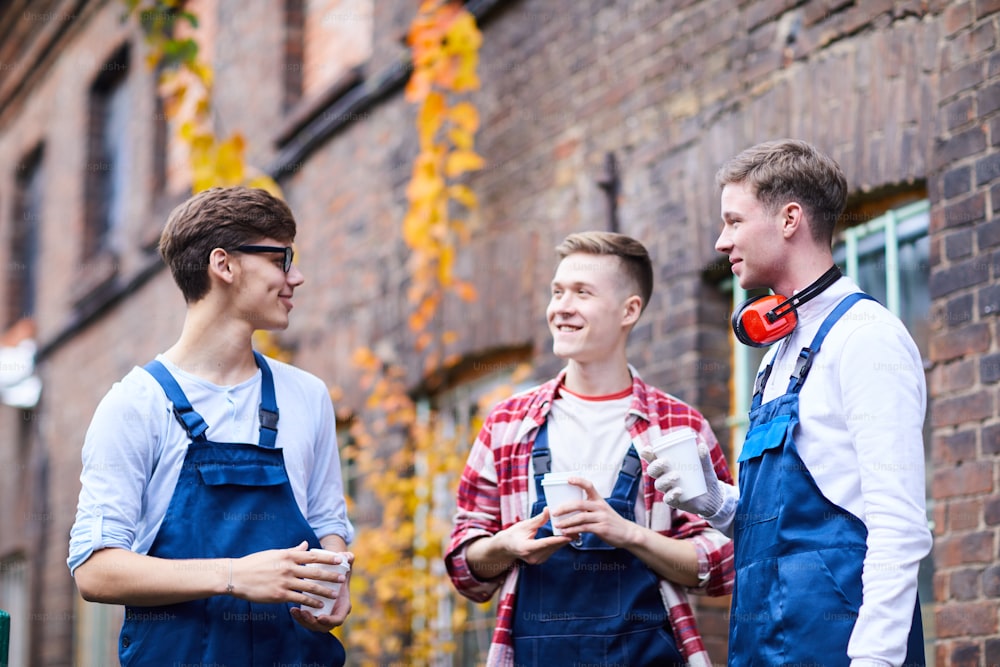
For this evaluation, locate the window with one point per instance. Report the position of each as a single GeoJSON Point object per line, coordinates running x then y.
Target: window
{"type": "Point", "coordinates": [14, 600]}
{"type": "Point", "coordinates": [888, 257]}
{"type": "Point", "coordinates": [108, 159]}
{"type": "Point", "coordinates": [324, 41]}
{"type": "Point", "coordinates": [23, 246]}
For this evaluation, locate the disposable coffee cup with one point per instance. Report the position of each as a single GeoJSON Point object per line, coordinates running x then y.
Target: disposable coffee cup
{"type": "Point", "coordinates": [680, 448]}
{"type": "Point", "coordinates": [559, 491]}
{"type": "Point", "coordinates": [343, 567]}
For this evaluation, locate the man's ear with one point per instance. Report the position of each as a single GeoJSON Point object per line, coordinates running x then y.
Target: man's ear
{"type": "Point", "coordinates": [793, 219]}
{"type": "Point", "coordinates": [219, 267]}
{"type": "Point", "coordinates": [632, 310]}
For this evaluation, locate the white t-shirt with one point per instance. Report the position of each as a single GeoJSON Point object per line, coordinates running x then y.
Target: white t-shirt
{"type": "Point", "coordinates": [135, 447]}
{"type": "Point", "coordinates": [589, 435]}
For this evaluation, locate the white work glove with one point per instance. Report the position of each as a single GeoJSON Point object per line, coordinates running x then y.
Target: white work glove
{"type": "Point", "coordinates": [668, 482]}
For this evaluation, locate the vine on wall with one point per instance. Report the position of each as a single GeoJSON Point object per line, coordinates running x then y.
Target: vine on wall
{"type": "Point", "coordinates": [408, 458]}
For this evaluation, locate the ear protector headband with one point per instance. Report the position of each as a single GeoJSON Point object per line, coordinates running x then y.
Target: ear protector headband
{"type": "Point", "coordinates": [764, 320]}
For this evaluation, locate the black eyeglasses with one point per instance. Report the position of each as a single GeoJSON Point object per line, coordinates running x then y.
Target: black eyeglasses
{"type": "Point", "coordinates": [286, 250]}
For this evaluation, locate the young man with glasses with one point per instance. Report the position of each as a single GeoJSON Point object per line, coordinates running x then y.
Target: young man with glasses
{"type": "Point", "coordinates": [210, 473]}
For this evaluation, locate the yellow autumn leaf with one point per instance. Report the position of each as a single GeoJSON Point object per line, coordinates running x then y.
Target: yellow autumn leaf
{"type": "Point", "coordinates": [446, 261]}
{"type": "Point", "coordinates": [465, 115]}
{"type": "Point", "coordinates": [463, 35]}
{"type": "Point", "coordinates": [465, 76]}
{"type": "Point", "coordinates": [460, 138]}
{"type": "Point", "coordinates": [430, 117]}
{"type": "Point", "coordinates": [464, 195]}
{"type": "Point", "coordinates": [229, 160]}
{"type": "Point", "coordinates": [460, 162]}
{"type": "Point", "coordinates": [423, 187]}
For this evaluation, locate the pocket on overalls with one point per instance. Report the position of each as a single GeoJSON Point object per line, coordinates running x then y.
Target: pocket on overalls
{"type": "Point", "coordinates": [821, 603]}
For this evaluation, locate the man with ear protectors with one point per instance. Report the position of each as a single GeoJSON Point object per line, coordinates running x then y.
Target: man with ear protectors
{"type": "Point", "coordinates": [828, 522]}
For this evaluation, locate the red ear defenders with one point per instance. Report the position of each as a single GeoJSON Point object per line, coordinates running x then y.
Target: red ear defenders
{"type": "Point", "coordinates": [764, 320]}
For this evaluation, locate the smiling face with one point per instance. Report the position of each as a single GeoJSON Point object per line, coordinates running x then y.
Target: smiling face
{"type": "Point", "coordinates": [592, 308]}
{"type": "Point", "coordinates": [264, 294]}
{"type": "Point", "coordinates": [751, 237]}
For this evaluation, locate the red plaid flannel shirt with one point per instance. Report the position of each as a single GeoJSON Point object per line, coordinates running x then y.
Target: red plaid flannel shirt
{"type": "Point", "coordinates": [493, 495]}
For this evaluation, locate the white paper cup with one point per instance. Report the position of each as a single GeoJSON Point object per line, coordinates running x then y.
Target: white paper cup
{"type": "Point", "coordinates": [558, 491]}
{"type": "Point", "coordinates": [680, 448]}
{"type": "Point", "coordinates": [342, 567]}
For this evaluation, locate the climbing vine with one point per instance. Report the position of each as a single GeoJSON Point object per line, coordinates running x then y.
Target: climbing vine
{"type": "Point", "coordinates": [410, 461]}
{"type": "Point", "coordinates": [185, 83]}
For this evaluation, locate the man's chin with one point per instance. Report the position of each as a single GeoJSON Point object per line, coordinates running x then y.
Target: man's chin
{"type": "Point", "coordinates": [561, 351]}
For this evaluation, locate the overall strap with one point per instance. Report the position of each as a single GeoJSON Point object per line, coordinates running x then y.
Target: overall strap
{"type": "Point", "coordinates": [195, 425]}
{"type": "Point", "coordinates": [760, 383]}
{"type": "Point", "coordinates": [541, 463]}
{"type": "Point", "coordinates": [628, 475]}
{"type": "Point", "coordinates": [190, 420]}
{"type": "Point", "coordinates": [808, 354]}
{"type": "Point", "coordinates": [268, 404]}
{"type": "Point", "coordinates": [541, 458]}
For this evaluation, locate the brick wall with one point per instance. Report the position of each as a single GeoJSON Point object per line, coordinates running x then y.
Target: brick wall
{"type": "Point", "coordinates": [965, 268]}
{"type": "Point", "coordinates": [900, 92]}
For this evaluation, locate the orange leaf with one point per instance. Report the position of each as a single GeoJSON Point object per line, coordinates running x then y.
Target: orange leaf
{"type": "Point", "coordinates": [466, 291]}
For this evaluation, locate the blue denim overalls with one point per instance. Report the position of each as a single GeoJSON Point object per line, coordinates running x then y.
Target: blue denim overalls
{"type": "Point", "coordinates": [798, 556]}
{"type": "Point", "coordinates": [231, 500]}
{"type": "Point", "coordinates": [591, 603]}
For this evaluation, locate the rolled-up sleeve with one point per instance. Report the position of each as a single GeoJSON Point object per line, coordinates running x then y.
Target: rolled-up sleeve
{"type": "Point", "coordinates": [117, 458]}
{"type": "Point", "coordinates": [477, 515]}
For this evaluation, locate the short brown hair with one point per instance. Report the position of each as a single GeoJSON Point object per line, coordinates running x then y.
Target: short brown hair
{"type": "Point", "coordinates": [219, 218]}
{"type": "Point", "coordinates": [790, 170]}
{"type": "Point", "coordinates": [632, 254]}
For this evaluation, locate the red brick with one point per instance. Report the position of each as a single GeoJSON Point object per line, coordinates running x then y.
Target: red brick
{"type": "Point", "coordinates": [963, 480]}
{"type": "Point", "coordinates": [991, 582]}
{"type": "Point", "coordinates": [964, 584]}
{"type": "Point", "coordinates": [973, 339]}
{"type": "Point", "coordinates": [991, 434]}
{"type": "Point", "coordinates": [958, 619]}
{"type": "Point", "coordinates": [991, 511]}
{"type": "Point", "coordinates": [993, 652]}
{"type": "Point", "coordinates": [986, 7]}
{"type": "Point", "coordinates": [963, 515]}
{"type": "Point", "coordinates": [962, 549]}
{"type": "Point", "coordinates": [962, 654]}
{"type": "Point", "coordinates": [957, 16]}
{"type": "Point", "coordinates": [958, 245]}
{"type": "Point", "coordinates": [965, 211]}
{"type": "Point", "coordinates": [962, 78]}
{"type": "Point", "coordinates": [964, 409]}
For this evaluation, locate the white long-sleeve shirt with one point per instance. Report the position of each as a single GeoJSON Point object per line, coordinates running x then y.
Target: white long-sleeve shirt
{"type": "Point", "coordinates": [861, 437]}
{"type": "Point", "coordinates": [135, 448]}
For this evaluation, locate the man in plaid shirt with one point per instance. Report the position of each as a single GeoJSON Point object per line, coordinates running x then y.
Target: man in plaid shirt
{"type": "Point", "coordinates": [612, 588]}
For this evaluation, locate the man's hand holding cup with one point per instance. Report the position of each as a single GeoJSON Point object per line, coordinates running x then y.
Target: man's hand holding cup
{"type": "Point", "coordinates": [684, 473]}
